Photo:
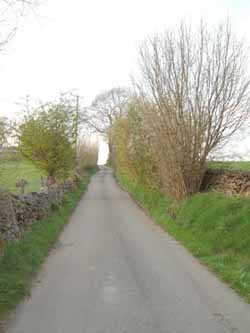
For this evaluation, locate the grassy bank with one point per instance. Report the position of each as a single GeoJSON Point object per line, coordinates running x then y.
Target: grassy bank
{"type": "Point", "coordinates": [22, 260]}
{"type": "Point", "coordinates": [215, 228]}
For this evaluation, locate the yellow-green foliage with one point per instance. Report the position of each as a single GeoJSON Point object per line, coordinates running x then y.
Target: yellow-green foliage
{"type": "Point", "coordinates": [47, 139]}
{"type": "Point", "coordinates": [131, 149]}
{"type": "Point", "coordinates": [121, 158]}
{"type": "Point", "coordinates": [3, 130]}
{"type": "Point", "coordinates": [87, 154]}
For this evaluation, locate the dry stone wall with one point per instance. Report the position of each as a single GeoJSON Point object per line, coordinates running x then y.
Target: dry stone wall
{"type": "Point", "coordinates": [19, 212]}
{"type": "Point", "coordinates": [230, 182]}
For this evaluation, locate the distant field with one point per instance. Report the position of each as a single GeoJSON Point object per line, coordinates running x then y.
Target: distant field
{"type": "Point", "coordinates": [12, 171]}
{"type": "Point", "coordinates": [230, 165]}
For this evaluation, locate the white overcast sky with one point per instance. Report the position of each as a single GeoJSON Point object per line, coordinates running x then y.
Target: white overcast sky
{"type": "Point", "coordinates": [91, 45]}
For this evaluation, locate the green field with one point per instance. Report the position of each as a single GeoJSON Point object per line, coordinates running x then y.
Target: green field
{"type": "Point", "coordinates": [12, 171]}
{"type": "Point", "coordinates": [230, 165]}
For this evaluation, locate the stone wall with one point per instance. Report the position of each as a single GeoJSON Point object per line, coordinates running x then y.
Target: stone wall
{"type": "Point", "coordinates": [19, 212]}
{"type": "Point", "coordinates": [230, 182]}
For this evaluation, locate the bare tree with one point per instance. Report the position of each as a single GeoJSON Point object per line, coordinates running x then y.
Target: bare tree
{"type": "Point", "coordinates": [105, 109]}
{"type": "Point", "coordinates": [11, 11]}
{"type": "Point", "coordinates": [196, 93]}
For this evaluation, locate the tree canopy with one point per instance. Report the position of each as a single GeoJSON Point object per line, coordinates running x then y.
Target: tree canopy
{"type": "Point", "coordinates": [47, 138]}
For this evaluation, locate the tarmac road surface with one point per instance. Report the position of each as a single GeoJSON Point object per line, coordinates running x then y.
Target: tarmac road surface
{"type": "Point", "coordinates": [113, 270]}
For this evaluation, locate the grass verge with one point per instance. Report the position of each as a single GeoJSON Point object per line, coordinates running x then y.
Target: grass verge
{"type": "Point", "coordinates": [22, 260]}
{"type": "Point", "coordinates": [215, 228]}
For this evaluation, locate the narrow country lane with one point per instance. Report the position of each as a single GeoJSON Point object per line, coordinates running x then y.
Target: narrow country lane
{"type": "Point", "coordinates": [113, 270]}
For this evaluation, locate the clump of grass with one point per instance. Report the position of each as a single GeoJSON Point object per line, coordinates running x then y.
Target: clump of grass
{"type": "Point", "coordinates": [215, 228]}
{"type": "Point", "coordinates": [23, 259]}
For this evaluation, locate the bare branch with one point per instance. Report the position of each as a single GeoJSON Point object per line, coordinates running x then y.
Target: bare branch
{"type": "Point", "coordinates": [196, 94]}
